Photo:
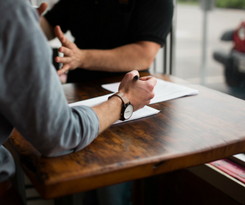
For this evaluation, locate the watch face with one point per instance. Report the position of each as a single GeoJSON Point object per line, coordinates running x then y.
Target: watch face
{"type": "Point", "coordinates": [128, 111]}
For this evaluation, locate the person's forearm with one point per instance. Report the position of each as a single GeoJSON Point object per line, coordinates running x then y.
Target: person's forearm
{"type": "Point", "coordinates": [112, 106]}
{"type": "Point", "coordinates": [41, 114]}
{"type": "Point", "coordinates": [134, 56]}
{"type": "Point", "coordinates": [125, 58]}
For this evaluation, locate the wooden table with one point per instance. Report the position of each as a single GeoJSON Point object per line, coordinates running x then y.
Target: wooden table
{"type": "Point", "coordinates": [188, 131]}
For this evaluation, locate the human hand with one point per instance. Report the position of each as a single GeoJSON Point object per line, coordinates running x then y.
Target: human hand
{"type": "Point", "coordinates": [43, 6]}
{"type": "Point", "coordinates": [139, 92]}
{"type": "Point", "coordinates": [72, 54]}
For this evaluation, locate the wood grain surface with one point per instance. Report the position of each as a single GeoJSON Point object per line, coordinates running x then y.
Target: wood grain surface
{"type": "Point", "coordinates": [188, 131]}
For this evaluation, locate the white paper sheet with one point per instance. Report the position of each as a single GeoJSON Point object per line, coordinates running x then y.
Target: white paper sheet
{"type": "Point", "coordinates": [144, 112]}
{"type": "Point", "coordinates": [164, 90]}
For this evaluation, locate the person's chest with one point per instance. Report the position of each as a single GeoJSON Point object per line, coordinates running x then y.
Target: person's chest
{"type": "Point", "coordinates": [101, 23]}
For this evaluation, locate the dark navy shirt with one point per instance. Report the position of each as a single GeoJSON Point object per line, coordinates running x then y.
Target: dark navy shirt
{"type": "Point", "coordinates": [106, 24]}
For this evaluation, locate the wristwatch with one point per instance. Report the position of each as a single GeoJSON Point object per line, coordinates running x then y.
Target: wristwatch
{"type": "Point", "coordinates": [127, 108]}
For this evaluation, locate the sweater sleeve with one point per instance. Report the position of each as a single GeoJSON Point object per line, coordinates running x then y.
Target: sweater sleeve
{"type": "Point", "coordinates": [31, 96]}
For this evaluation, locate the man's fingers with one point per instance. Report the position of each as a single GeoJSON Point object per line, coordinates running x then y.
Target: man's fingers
{"type": "Point", "coordinates": [145, 78]}
{"type": "Point", "coordinates": [63, 69]}
{"type": "Point", "coordinates": [64, 60]}
{"type": "Point", "coordinates": [149, 79]}
{"type": "Point", "coordinates": [63, 39]}
{"type": "Point", "coordinates": [130, 75]}
{"type": "Point", "coordinates": [59, 34]}
{"type": "Point", "coordinates": [133, 73]}
{"type": "Point", "coordinates": [65, 51]}
{"type": "Point", "coordinates": [42, 8]}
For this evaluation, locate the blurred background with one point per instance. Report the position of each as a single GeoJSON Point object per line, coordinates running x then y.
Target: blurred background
{"type": "Point", "coordinates": [191, 33]}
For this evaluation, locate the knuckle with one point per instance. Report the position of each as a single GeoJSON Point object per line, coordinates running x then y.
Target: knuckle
{"type": "Point", "coordinates": [128, 75]}
{"type": "Point", "coordinates": [152, 95]}
{"type": "Point", "coordinates": [150, 87]}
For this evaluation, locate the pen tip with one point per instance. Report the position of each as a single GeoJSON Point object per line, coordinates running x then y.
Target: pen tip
{"type": "Point", "coordinates": [136, 77]}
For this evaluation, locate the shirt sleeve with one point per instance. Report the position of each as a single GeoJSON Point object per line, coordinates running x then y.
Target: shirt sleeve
{"type": "Point", "coordinates": [151, 21]}
{"type": "Point", "coordinates": [31, 95]}
{"type": "Point", "coordinates": [7, 168]}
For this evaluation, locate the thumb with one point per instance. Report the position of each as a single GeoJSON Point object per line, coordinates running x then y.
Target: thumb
{"type": "Point", "coordinates": [43, 7]}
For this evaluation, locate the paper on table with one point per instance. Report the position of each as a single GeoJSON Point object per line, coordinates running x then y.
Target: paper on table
{"type": "Point", "coordinates": [164, 90]}
{"type": "Point", "coordinates": [143, 112]}
{"type": "Point", "coordinates": [92, 101]}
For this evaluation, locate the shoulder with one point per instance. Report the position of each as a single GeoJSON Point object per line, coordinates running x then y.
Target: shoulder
{"type": "Point", "coordinates": [156, 7]}
{"type": "Point", "coordinates": [11, 6]}
{"type": "Point", "coordinates": [15, 9]}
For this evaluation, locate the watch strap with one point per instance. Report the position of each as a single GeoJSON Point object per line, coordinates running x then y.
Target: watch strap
{"type": "Point", "coordinates": [121, 96]}
{"type": "Point", "coordinates": [124, 100]}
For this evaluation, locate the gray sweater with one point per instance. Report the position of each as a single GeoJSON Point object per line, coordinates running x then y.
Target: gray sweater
{"type": "Point", "coordinates": [31, 95]}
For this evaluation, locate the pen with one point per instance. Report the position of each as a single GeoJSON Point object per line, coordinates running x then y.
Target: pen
{"type": "Point", "coordinates": [136, 77]}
